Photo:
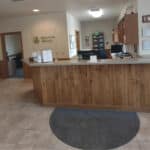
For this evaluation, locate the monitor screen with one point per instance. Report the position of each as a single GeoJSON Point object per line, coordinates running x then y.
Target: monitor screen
{"type": "Point", "coordinates": [116, 48]}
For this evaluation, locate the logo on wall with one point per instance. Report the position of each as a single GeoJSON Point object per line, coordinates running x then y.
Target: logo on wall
{"type": "Point", "coordinates": [43, 39]}
{"type": "Point", "coordinates": [36, 40]}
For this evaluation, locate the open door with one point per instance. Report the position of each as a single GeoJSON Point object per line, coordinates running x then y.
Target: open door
{"type": "Point", "coordinates": [78, 40]}
{"type": "Point", "coordinates": [12, 54]}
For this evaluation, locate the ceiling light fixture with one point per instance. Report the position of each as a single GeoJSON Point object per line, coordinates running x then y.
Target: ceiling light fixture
{"type": "Point", "coordinates": [35, 10]}
{"type": "Point", "coordinates": [96, 13]}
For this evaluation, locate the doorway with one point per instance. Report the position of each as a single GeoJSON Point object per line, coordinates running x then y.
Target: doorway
{"type": "Point", "coordinates": [13, 54]}
{"type": "Point", "coordinates": [77, 40]}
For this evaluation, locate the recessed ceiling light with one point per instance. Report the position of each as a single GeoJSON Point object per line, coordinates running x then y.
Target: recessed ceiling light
{"type": "Point", "coordinates": [35, 10]}
{"type": "Point", "coordinates": [96, 13]}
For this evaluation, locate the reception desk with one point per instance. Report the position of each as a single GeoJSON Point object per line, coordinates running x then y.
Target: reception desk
{"type": "Point", "coordinates": [106, 84]}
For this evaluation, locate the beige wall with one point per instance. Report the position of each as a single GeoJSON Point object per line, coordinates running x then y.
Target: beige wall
{"type": "Point", "coordinates": [53, 24]}
{"type": "Point", "coordinates": [106, 26]}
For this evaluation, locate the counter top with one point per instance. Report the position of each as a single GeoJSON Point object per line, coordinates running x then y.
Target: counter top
{"type": "Point", "coordinates": [86, 62]}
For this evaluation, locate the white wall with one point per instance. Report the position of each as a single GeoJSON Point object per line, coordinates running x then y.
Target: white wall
{"type": "Point", "coordinates": [53, 24]}
{"type": "Point", "coordinates": [143, 9]}
{"type": "Point", "coordinates": [72, 25]}
{"type": "Point", "coordinates": [89, 27]}
{"type": "Point", "coordinates": [13, 44]}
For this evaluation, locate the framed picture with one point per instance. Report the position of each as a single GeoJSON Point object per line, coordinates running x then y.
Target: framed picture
{"type": "Point", "coordinates": [72, 41]}
{"type": "Point", "coordinates": [146, 31]}
{"type": "Point", "coordinates": [146, 44]}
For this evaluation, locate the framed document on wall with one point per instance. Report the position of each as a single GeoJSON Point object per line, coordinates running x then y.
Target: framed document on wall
{"type": "Point", "coordinates": [146, 31]}
{"type": "Point", "coordinates": [146, 44]}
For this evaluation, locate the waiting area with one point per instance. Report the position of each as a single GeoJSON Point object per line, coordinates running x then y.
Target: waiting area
{"type": "Point", "coordinates": [74, 75]}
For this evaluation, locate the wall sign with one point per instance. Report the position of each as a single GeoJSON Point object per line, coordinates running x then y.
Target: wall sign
{"type": "Point", "coordinates": [146, 19]}
{"type": "Point", "coordinates": [43, 39]}
{"type": "Point", "coordinates": [47, 38]}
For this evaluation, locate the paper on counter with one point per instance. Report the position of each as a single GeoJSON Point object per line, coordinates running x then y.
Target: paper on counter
{"type": "Point", "coordinates": [47, 56]}
{"type": "Point", "coordinates": [93, 59]}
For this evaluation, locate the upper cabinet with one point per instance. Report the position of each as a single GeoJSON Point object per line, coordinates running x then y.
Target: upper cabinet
{"type": "Point", "coordinates": [121, 31]}
{"type": "Point", "coordinates": [130, 26]}
{"type": "Point", "coordinates": [1, 52]}
{"type": "Point", "coordinates": [127, 30]}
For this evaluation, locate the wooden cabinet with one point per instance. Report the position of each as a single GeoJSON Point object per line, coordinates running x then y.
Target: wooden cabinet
{"type": "Point", "coordinates": [121, 31]}
{"type": "Point", "coordinates": [131, 29]}
{"type": "Point", "coordinates": [115, 36]}
{"type": "Point", "coordinates": [127, 30]}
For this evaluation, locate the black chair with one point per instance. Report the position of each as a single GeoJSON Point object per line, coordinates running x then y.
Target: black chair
{"type": "Point", "coordinates": [101, 54]}
{"type": "Point", "coordinates": [18, 60]}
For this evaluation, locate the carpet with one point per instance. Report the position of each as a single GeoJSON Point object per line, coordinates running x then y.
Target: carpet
{"type": "Point", "coordinates": [94, 129]}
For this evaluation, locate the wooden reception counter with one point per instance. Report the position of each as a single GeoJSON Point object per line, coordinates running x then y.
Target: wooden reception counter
{"type": "Point", "coordinates": [106, 84]}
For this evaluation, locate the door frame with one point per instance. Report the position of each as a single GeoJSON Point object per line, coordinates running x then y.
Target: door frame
{"type": "Point", "coordinates": [78, 42]}
{"type": "Point", "coordinates": [5, 59]}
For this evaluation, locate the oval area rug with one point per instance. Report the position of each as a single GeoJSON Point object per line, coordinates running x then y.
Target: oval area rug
{"type": "Point", "coordinates": [94, 129]}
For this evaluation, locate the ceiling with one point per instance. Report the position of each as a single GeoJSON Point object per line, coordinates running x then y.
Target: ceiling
{"type": "Point", "coordinates": [78, 8]}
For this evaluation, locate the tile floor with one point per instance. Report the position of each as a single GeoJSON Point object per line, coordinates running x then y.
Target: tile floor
{"type": "Point", "coordinates": [24, 124]}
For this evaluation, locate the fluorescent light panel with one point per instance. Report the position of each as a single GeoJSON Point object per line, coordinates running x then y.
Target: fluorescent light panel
{"type": "Point", "coordinates": [35, 10]}
{"type": "Point", "coordinates": [96, 13]}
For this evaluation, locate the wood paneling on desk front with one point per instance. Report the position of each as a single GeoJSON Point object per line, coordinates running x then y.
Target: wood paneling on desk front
{"type": "Point", "coordinates": [119, 87]}
{"type": "Point", "coordinates": [3, 70]}
{"type": "Point", "coordinates": [27, 71]}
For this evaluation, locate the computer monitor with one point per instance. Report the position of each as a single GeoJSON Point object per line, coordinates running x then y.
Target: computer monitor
{"type": "Point", "coordinates": [116, 48]}
{"type": "Point", "coordinates": [101, 54]}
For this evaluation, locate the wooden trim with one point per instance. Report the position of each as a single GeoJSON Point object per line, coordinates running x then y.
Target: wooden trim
{"type": "Point", "coordinates": [4, 63]}
{"type": "Point", "coordinates": [77, 33]}
{"type": "Point", "coordinates": [61, 59]}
